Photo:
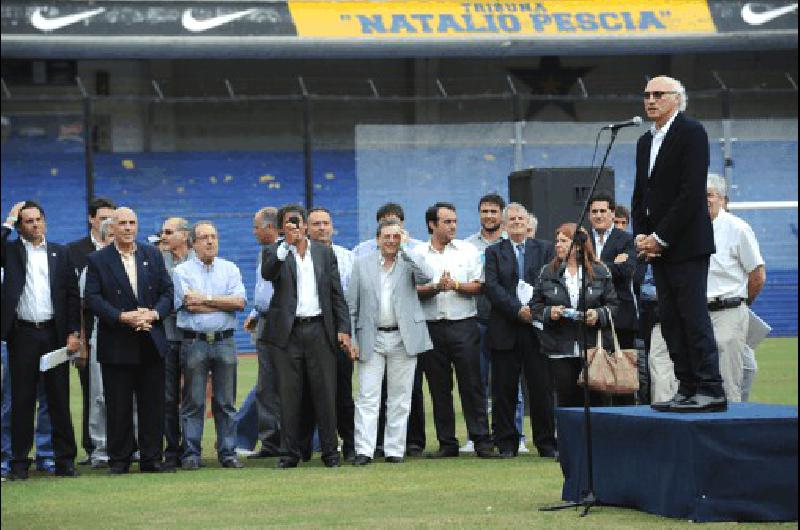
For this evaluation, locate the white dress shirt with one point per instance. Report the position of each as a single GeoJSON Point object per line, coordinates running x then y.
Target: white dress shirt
{"type": "Point", "coordinates": [386, 315]}
{"type": "Point", "coordinates": [36, 304]}
{"type": "Point", "coordinates": [655, 147]}
{"type": "Point", "coordinates": [598, 245]}
{"type": "Point", "coordinates": [736, 257]}
{"type": "Point", "coordinates": [307, 295]}
{"type": "Point", "coordinates": [463, 262]}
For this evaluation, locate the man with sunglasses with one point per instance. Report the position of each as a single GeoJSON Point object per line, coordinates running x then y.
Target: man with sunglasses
{"type": "Point", "coordinates": [673, 231]}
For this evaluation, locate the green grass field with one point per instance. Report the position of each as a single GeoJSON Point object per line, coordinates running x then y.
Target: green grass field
{"type": "Point", "coordinates": [457, 493]}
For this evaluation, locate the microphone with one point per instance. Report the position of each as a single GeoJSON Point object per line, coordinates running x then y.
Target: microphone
{"type": "Point", "coordinates": [633, 122]}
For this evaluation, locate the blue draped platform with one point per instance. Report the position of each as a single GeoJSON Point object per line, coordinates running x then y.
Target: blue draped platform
{"type": "Point", "coordinates": [740, 465]}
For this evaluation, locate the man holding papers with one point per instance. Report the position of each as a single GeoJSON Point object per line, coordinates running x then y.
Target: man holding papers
{"type": "Point", "coordinates": [511, 335]}
{"type": "Point", "coordinates": [40, 313]}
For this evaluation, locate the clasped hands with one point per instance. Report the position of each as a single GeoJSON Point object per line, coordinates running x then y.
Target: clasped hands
{"type": "Point", "coordinates": [446, 282]}
{"type": "Point", "coordinates": [557, 311]}
{"type": "Point", "coordinates": [647, 247]}
{"type": "Point", "coordinates": [140, 319]}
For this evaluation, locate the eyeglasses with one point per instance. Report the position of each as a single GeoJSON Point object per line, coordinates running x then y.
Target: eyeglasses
{"type": "Point", "coordinates": [658, 94]}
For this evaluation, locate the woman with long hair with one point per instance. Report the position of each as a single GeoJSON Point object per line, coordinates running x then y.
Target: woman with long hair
{"type": "Point", "coordinates": [555, 304]}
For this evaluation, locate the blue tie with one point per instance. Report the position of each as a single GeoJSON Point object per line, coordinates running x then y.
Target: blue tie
{"type": "Point", "coordinates": [521, 260]}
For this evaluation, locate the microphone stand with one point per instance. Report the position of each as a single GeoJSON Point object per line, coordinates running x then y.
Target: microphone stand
{"type": "Point", "coordinates": [587, 498]}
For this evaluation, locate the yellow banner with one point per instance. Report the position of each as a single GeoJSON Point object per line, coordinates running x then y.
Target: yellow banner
{"type": "Point", "coordinates": [448, 19]}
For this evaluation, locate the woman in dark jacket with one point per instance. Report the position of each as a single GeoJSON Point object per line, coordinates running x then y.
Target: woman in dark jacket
{"type": "Point", "coordinates": [555, 299]}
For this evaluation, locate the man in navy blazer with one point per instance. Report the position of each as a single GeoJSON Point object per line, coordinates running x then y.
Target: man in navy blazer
{"type": "Point", "coordinates": [129, 289]}
{"type": "Point", "coordinates": [40, 313]}
{"type": "Point", "coordinates": [674, 231]}
{"type": "Point", "coordinates": [512, 339]}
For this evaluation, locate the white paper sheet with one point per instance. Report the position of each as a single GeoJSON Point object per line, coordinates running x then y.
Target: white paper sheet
{"type": "Point", "coordinates": [757, 330]}
{"type": "Point", "coordinates": [524, 292]}
{"type": "Point", "coordinates": [55, 358]}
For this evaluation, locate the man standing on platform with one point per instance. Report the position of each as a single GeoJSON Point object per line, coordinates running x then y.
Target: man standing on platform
{"type": "Point", "coordinates": [673, 230]}
{"type": "Point", "coordinates": [129, 290]}
{"type": "Point", "coordinates": [40, 313]}
{"type": "Point", "coordinates": [267, 402]}
{"type": "Point", "coordinates": [308, 319]}
{"type": "Point", "coordinates": [100, 209]}
{"type": "Point", "coordinates": [208, 292]}
{"type": "Point", "coordinates": [512, 339]}
{"type": "Point", "coordinates": [320, 229]}
{"type": "Point", "coordinates": [175, 235]}
{"type": "Point", "coordinates": [449, 306]}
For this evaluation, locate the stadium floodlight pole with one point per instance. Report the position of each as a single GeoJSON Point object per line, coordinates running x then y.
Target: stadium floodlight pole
{"type": "Point", "coordinates": [587, 498]}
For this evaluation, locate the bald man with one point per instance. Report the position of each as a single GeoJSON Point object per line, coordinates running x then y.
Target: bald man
{"type": "Point", "coordinates": [130, 291]}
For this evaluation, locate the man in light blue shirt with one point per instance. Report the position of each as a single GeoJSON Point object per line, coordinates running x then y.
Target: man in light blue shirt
{"type": "Point", "coordinates": [208, 292]}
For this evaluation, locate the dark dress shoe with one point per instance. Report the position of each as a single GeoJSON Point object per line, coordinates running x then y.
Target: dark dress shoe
{"type": "Point", "coordinates": [443, 453]}
{"type": "Point", "coordinates": [306, 456]}
{"type": "Point", "coordinates": [486, 452]}
{"type": "Point", "coordinates": [701, 403]}
{"type": "Point", "coordinates": [20, 473]}
{"type": "Point", "coordinates": [155, 468]}
{"type": "Point", "coordinates": [286, 463]}
{"type": "Point", "coordinates": [508, 454]}
{"type": "Point", "coordinates": [413, 451]}
{"type": "Point", "coordinates": [394, 460]}
{"type": "Point", "coordinates": [361, 460]}
{"type": "Point", "coordinates": [666, 406]}
{"type": "Point", "coordinates": [379, 452]}
{"type": "Point", "coordinates": [232, 463]}
{"type": "Point", "coordinates": [117, 470]}
{"type": "Point", "coordinates": [264, 453]}
{"type": "Point", "coordinates": [331, 462]}
{"type": "Point", "coordinates": [547, 452]}
{"type": "Point", "coordinates": [67, 471]}
{"type": "Point", "coordinates": [171, 463]}
{"type": "Point", "coordinates": [349, 456]}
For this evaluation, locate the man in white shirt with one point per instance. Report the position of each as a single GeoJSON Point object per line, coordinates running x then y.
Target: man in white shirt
{"type": "Point", "coordinates": [736, 276]}
{"type": "Point", "coordinates": [450, 309]}
{"type": "Point", "coordinates": [320, 229]}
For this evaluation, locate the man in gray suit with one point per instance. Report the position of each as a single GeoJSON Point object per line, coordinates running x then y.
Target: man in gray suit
{"type": "Point", "coordinates": [390, 332]}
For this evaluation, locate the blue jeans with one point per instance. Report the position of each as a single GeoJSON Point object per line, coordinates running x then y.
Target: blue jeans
{"type": "Point", "coordinates": [43, 435]}
{"type": "Point", "coordinates": [197, 359]}
{"type": "Point", "coordinates": [172, 394]}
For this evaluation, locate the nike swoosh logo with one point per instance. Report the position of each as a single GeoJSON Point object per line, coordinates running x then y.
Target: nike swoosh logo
{"type": "Point", "coordinates": [38, 20]}
{"type": "Point", "coordinates": [757, 18]}
{"type": "Point", "coordinates": [194, 25]}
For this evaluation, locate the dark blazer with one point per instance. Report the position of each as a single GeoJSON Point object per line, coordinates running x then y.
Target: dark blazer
{"type": "Point", "coordinates": [500, 286]}
{"type": "Point", "coordinates": [559, 336]}
{"type": "Point", "coordinates": [619, 242]}
{"type": "Point", "coordinates": [64, 291]}
{"type": "Point", "coordinates": [108, 293]}
{"type": "Point", "coordinates": [79, 250]}
{"type": "Point", "coordinates": [672, 201]}
{"type": "Point", "coordinates": [283, 306]}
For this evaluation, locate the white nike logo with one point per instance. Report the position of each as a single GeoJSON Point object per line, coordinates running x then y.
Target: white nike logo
{"type": "Point", "coordinates": [762, 17]}
{"type": "Point", "coordinates": [192, 24]}
{"type": "Point", "coordinates": [50, 24]}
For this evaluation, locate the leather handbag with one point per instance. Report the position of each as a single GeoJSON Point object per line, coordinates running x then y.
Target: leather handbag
{"type": "Point", "coordinates": [614, 372]}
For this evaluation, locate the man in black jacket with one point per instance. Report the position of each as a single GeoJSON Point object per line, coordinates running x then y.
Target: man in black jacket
{"type": "Point", "coordinates": [100, 209]}
{"type": "Point", "coordinates": [40, 313]}
{"type": "Point", "coordinates": [511, 336]}
{"type": "Point", "coordinates": [674, 231]}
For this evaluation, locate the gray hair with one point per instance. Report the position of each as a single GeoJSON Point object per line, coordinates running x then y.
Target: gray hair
{"type": "Point", "coordinates": [105, 228]}
{"type": "Point", "coordinates": [193, 231]}
{"type": "Point", "coordinates": [717, 183]}
{"type": "Point", "coordinates": [267, 216]}
{"type": "Point", "coordinates": [180, 223]}
{"type": "Point", "coordinates": [513, 206]}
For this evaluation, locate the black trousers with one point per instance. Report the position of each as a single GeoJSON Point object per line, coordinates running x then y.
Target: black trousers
{"type": "Point", "coordinates": [686, 325]}
{"type": "Point", "coordinates": [507, 366]}
{"type": "Point", "coordinates": [415, 432]}
{"type": "Point", "coordinates": [172, 400]}
{"type": "Point", "coordinates": [144, 382]}
{"type": "Point", "coordinates": [25, 347]}
{"type": "Point", "coordinates": [84, 375]}
{"type": "Point", "coordinates": [456, 344]}
{"type": "Point", "coordinates": [307, 364]}
{"type": "Point", "coordinates": [268, 405]}
{"type": "Point", "coordinates": [564, 372]}
{"type": "Point", "coordinates": [345, 407]}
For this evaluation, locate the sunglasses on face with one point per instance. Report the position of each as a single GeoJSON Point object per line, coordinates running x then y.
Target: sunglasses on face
{"type": "Point", "coordinates": [658, 94]}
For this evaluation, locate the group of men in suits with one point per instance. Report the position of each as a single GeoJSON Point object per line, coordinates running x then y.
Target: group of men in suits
{"type": "Point", "coordinates": [408, 308]}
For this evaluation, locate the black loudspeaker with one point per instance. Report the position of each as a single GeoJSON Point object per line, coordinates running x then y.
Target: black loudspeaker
{"type": "Point", "coordinates": [556, 195]}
